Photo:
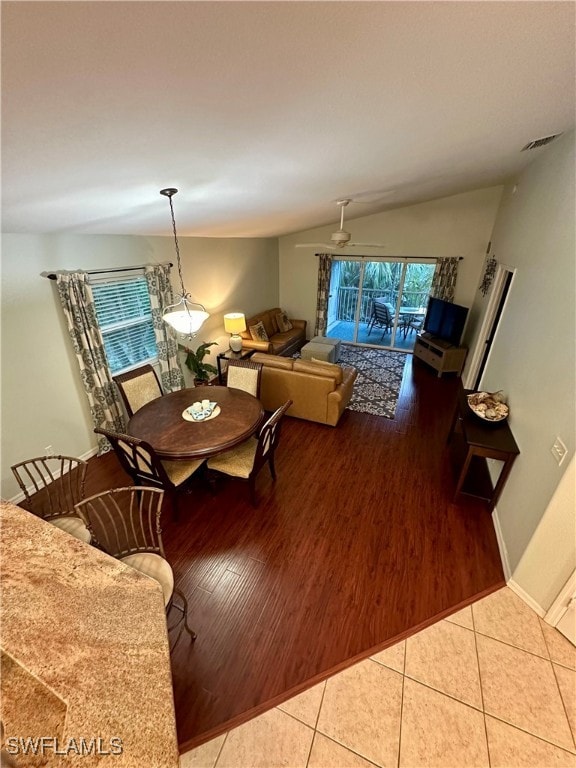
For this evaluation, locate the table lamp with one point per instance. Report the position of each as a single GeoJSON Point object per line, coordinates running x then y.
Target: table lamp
{"type": "Point", "coordinates": [235, 323]}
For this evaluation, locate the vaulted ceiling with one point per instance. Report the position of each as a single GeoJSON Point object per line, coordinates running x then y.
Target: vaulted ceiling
{"type": "Point", "coordinates": [263, 114]}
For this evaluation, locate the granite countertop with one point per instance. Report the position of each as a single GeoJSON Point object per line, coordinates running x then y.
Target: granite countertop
{"type": "Point", "coordinates": [85, 652]}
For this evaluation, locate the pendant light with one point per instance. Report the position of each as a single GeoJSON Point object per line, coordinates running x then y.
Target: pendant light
{"type": "Point", "coordinates": [181, 316]}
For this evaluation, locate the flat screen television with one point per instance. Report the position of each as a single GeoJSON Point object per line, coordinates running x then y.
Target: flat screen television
{"type": "Point", "coordinates": [445, 320]}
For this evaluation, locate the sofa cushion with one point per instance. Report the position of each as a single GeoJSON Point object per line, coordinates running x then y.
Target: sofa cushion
{"type": "Point", "coordinates": [283, 322]}
{"type": "Point", "coordinates": [320, 369]}
{"type": "Point", "coordinates": [258, 332]}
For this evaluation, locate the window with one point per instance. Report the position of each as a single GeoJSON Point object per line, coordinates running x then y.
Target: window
{"type": "Point", "coordinates": [125, 318]}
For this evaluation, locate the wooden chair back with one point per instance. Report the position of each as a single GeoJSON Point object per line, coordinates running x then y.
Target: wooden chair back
{"type": "Point", "coordinates": [138, 387]}
{"type": "Point", "coordinates": [52, 485]}
{"type": "Point", "coordinates": [268, 438]}
{"type": "Point", "coordinates": [245, 375]}
{"type": "Point", "coordinates": [138, 459]}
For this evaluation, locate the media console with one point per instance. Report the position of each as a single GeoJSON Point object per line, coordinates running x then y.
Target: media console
{"type": "Point", "coordinates": [440, 355]}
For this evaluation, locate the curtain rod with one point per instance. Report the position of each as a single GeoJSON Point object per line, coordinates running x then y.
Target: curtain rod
{"type": "Point", "coordinates": [352, 256]}
{"type": "Point", "coordinates": [53, 276]}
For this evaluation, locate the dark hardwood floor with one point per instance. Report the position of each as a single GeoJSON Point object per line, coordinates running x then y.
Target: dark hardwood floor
{"type": "Point", "coordinates": [356, 545]}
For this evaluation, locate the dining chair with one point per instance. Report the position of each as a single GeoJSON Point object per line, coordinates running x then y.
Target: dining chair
{"type": "Point", "coordinates": [244, 461]}
{"type": "Point", "coordinates": [52, 485]}
{"type": "Point", "coordinates": [125, 523]}
{"type": "Point", "coordinates": [140, 461]}
{"type": "Point", "coordinates": [245, 375]}
{"type": "Point", "coordinates": [138, 387]}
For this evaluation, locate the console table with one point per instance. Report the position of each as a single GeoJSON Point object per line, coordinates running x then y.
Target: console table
{"type": "Point", "coordinates": [472, 443]}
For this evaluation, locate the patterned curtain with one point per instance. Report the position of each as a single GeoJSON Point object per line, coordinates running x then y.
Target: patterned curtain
{"type": "Point", "coordinates": [161, 296]}
{"type": "Point", "coordinates": [324, 272]}
{"type": "Point", "coordinates": [78, 304]}
{"type": "Point", "coordinates": [444, 280]}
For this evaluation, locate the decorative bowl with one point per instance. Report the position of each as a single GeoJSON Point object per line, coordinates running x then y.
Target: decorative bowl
{"type": "Point", "coordinates": [490, 407]}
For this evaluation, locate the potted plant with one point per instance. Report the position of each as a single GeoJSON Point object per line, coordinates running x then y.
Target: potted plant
{"type": "Point", "coordinates": [195, 363]}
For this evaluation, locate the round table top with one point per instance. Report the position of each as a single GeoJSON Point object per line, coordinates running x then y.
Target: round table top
{"type": "Point", "coordinates": [160, 422]}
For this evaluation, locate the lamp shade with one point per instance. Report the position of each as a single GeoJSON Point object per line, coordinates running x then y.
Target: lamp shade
{"type": "Point", "coordinates": [234, 322]}
{"type": "Point", "coordinates": [187, 321]}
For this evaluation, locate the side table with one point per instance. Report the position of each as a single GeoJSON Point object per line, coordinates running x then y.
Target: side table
{"type": "Point", "coordinates": [244, 354]}
{"type": "Point", "coordinates": [472, 443]}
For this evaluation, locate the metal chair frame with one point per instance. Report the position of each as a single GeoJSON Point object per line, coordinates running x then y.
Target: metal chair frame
{"type": "Point", "coordinates": [58, 483]}
{"type": "Point", "coordinates": [126, 521]}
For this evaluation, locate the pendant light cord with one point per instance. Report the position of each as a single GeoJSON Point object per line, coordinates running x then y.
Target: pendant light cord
{"type": "Point", "coordinates": [168, 193]}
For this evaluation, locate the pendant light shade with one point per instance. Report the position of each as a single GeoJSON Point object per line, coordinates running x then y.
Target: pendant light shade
{"type": "Point", "coordinates": [184, 316]}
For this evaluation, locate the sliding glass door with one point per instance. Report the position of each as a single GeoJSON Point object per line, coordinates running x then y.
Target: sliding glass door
{"type": "Point", "coordinates": [378, 303]}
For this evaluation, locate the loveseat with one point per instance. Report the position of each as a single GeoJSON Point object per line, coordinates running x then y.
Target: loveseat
{"type": "Point", "coordinates": [279, 342]}
{"type": "Point", "coordinates": [319, 391]}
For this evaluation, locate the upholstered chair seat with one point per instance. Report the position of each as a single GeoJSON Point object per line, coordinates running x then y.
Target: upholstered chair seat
{"type": "Point", "coordinates": [155, 567]}
{"type": "Point", "coordinates": [74, 526]}
{"type": "Point", "coordinates": [237, 462]}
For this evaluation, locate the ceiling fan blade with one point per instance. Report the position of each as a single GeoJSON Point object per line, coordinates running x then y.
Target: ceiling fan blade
{"type": "Point", "coordinates": [366, 245]}
{"type": "Point", "coordinates": [313, 245]}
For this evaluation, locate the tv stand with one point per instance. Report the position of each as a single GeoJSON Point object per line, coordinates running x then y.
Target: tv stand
{"type": "Point", "coordinates": [439, 354]}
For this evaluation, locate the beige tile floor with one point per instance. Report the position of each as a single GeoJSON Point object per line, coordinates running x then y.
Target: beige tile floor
{"type": "Point", "coordinates": [493, 685]}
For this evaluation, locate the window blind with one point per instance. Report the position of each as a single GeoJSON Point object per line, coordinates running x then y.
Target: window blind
{"type": "Point", "coordinates": [125, 319]}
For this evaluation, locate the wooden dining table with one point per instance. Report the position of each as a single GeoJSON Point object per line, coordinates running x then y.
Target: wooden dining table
{"type": "Point", "coordinates": [162, 424]}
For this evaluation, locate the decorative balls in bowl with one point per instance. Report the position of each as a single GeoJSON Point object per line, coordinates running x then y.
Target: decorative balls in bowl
{"type": "Point", "coordinates": [489, 406]}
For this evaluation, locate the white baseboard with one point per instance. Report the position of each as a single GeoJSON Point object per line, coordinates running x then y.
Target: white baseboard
{"type": "Point", "coordinates": [526, 598]}
{"type": "Point", "coordinates": [561, 603]}
{"type": "Point", "coordinates": [85, 456]}
{"type": "Point", "coordinates": [501, 545]}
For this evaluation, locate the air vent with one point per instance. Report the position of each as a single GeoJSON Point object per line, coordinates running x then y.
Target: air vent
{"type": "Point", "coordinates": [540, 142]}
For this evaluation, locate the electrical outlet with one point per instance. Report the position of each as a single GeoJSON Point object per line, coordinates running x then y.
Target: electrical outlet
{"type": "Point", "coordinates": [49, 451]}
{"type": "Point", "coordinates": [559, 450]}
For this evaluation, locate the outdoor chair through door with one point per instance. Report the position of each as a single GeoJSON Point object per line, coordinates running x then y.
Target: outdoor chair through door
{"type": "Point", "coordinates": [382, 316]}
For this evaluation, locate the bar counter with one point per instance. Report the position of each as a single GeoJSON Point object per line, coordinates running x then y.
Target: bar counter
{"type": "Point", "coordinates": [85, 655]}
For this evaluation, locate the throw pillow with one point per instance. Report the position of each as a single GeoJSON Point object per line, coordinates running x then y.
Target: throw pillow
{"type": "Point", "coordinates": [258, 332]}
{"type": "Point", "coordinates": [284, 323]}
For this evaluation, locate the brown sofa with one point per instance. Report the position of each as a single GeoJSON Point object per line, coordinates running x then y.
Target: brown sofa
{"type": "Point", "coordinates": [280, 343]}
{"type": "Point", "coordinates": [319, 391]}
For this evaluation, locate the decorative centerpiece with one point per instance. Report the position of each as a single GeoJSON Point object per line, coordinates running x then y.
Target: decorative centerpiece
{"type": "Point", "coordinates": [489, 406]}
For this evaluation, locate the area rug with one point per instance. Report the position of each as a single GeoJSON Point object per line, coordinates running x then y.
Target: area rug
{"type": "Point", "coordinates": [377, 386]}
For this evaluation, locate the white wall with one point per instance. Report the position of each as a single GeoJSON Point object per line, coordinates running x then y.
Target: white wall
{"type": "Point", "coordinates": [547, 564]}
{"type": "Point", "coordinates": [43, 401]}
{"type": "Point", "coordinates": [460, 225]}
{"type": "Point", "coordinates": [533, 355]}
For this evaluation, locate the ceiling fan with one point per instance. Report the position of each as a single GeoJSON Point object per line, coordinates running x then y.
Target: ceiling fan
{"type": "Point", "coordinates": [341, 238]}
